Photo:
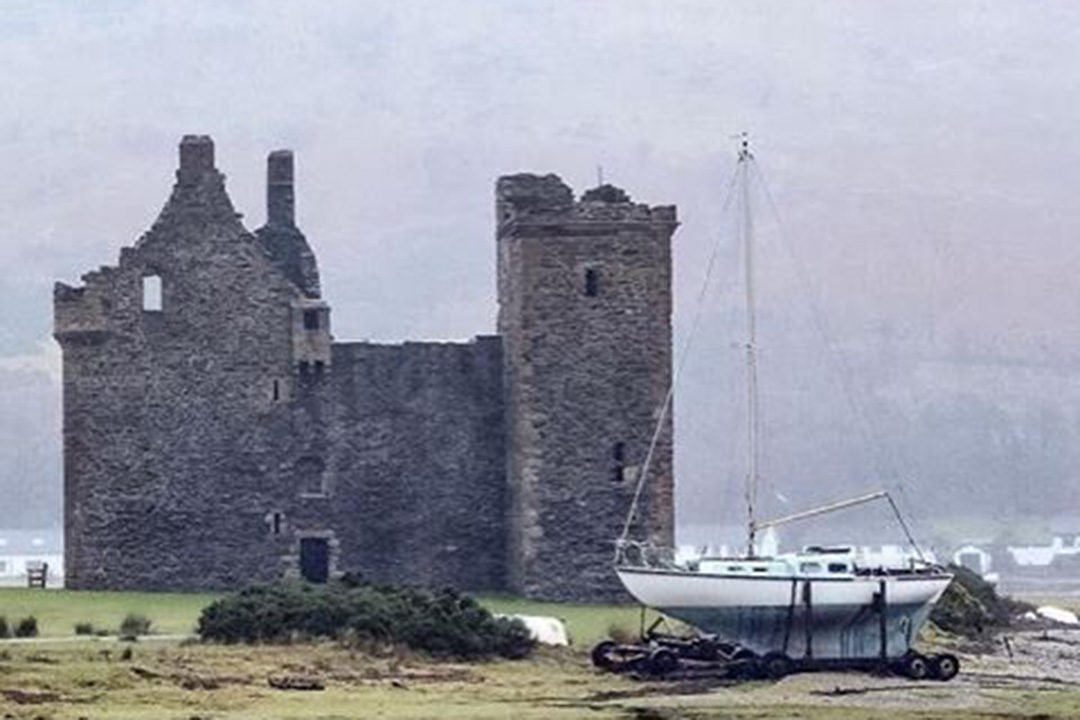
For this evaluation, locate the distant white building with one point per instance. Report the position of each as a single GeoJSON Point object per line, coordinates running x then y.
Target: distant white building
{"type": "Point", "coordinates": [974, 558]}
{"type": "Point", "coordinates": [1063, 545]}
{"type": "Point", "coordinates": [23, 549]}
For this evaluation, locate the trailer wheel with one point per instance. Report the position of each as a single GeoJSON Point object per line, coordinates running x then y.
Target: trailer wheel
{"type": "Point", "coordinates": [601, 654]}
{"type": "Point", "coordinates": [916, 667]}
{"type": "Point", "coordinates": [662, 661]}
{"type": "Point", "coordinates": [944, 667]}
{"type": "Point", "coordinates": [775, 665]}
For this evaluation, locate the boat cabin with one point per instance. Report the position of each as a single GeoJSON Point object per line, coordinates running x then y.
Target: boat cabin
{"type": "Point", "coordinates": [811, 562]}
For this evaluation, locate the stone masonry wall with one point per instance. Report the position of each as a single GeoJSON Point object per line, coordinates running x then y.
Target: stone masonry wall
{"type": "Point", "coordinates": [418, 462]}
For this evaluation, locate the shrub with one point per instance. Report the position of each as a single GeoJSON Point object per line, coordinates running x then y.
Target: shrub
{"type": "Point", "coordinates": [971, 605]}
{"type": "Point", "coordinates": [5, 631]}
{"type": "Point", "coordinates": [27, 627]}
{"type": "Point", "coordinates": [442, 623]}
{"type": "Point", "coordinates": [134, 625]}
{"type": "Point", "coordinates": [84, 628]}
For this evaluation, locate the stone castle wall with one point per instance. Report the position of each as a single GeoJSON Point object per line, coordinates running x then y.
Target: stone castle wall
{"type": "Point", "coordinates": [206, 440]}
{"type": "Point", "coordinates": [415, 456]}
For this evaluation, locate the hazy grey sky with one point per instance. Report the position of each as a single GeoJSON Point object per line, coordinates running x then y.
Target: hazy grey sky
{"type": "Point", "coordinates": [924, 154]}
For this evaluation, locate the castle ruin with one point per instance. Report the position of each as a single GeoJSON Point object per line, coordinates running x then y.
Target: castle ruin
{"type": "Point", "coordinates": [216, 434]}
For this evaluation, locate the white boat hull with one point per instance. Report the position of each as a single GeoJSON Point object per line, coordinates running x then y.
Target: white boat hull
{"type": "Point", "coordinates": [826, 617]}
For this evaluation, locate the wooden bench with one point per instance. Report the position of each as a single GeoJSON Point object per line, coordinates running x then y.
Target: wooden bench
{"type": "Point", "coordinates": [37, 574]}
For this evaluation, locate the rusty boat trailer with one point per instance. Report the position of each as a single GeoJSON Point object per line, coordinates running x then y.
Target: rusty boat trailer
{"type": "Point", "coordinates": [662, 656]}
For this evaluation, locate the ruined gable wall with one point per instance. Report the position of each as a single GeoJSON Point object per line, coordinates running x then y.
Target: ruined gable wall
{"type": "Point", "coordinates": [170, 421]}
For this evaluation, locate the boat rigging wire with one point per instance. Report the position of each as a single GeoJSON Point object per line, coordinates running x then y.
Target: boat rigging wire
{"type": "Point", "coordinates": [747, 167]}
{"type": "Point", "coordinates": [832, 507]}
{"type": "Point", "coordinates": [665, 409]}
{"type": "Point", "coordinates": [863, 420]}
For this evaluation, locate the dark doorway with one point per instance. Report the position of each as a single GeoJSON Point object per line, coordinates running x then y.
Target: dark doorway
{"type": "Point", "coordinates": [314, 559]}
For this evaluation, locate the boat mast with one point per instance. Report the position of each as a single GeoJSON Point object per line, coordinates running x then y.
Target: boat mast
{"type": "Point", "coordinates": [752, 451]}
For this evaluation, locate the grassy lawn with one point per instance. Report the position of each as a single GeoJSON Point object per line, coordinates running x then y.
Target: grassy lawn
{"type": "Point", "coordinates": [57, 612]}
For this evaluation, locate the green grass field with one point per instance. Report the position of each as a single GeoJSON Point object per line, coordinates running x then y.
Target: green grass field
{"type": "Point", "coordinates": [58, 611]}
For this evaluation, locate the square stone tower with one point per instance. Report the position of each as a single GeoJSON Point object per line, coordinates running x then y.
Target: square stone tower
{"type": "Point", "coordinates": [585, 316]}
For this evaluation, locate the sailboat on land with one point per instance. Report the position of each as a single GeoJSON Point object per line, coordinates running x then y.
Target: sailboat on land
{"type": "Point", "coordinates": [819, 604]}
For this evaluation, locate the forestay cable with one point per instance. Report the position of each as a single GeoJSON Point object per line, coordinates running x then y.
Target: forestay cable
{"type": "Point", "coordinates": [843, 371]}
{"type": "Point", "coordinates": [687, 343]}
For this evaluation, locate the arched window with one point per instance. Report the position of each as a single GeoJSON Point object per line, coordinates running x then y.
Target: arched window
{"type": "Point", "coordinates": [151, 293]}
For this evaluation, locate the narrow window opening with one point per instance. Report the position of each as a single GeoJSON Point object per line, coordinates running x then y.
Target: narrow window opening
{"type": "Point", "coordinates": [277, 519]}
{"type": "Point", "coordinates": [277, 390]}
{"type": "Point", "coordinates": [304, 367]}
{"type": "Point", "coordinates": [319, 367]}
{"type": "Point", "coordinates": [311, 319]}
{"type": "Point", "coordinates": [592, 282]}
{"type": "Point", "coordinates": [151, 293]}
{"type": "Point", "coordinates": [618, 454]}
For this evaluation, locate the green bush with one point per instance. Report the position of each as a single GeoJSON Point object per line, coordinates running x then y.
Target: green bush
{"type": "Point", "coordinates": [443, 623]}
{"type": "Point", "coordinates": [5, 631]}
{"type": "Point", "coordinates": [84, 628]}
{"type": "Point", "coordinates": [27, 627]}
{"type": "Point", "coordinates": [133, 625]}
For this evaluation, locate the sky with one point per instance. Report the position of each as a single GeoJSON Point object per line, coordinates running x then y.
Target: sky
{"type": "Point", "coordinates": [922, 158]}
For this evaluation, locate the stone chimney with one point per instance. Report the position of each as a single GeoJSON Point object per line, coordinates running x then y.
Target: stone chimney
{"type": "Point", "coordinates": [196, 158]}
{"type": "Point", "coordinates": [280, 196]}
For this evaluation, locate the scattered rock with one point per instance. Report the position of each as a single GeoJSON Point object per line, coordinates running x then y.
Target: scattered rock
{"type": "Point", "coordinates": [147, 673]}
{"type": "Point", "coordinates": [195, 682]}
{"type": "Point", "coordinates": [295, 682]}
{"type": "Point", "coordinates": [29, 697]}
{"type": "Point", "coordinates": [43, 659]}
